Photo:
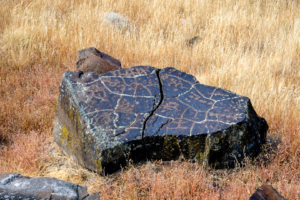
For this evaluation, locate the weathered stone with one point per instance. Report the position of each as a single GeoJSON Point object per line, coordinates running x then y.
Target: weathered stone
{"type": "Point", "coordinates": [266, 192]}
{"type": "Point", "coordinates": [142, 113]}
{"type": "Point", "coordinates": [100, 119]}
{"type": "Point", "coordinates": [203, 123]}
{"type": "Point", "coordinates": [16, 186]}
{"type": "Point", "coordinates": [92, 60]}
{"type": "Point", "coordinates": [117, 20]}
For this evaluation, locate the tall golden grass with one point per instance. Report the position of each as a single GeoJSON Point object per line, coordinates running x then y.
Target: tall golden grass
{"type": "Point", "coordinates": [250, 47]}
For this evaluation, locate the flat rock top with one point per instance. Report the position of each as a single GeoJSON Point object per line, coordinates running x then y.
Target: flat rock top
{"type": "Point", "coordinates": [190, 108]}
{"type": "Point", "coordinates": [117, 103]}
{"type": "Point", "coordinates": [123, 103]}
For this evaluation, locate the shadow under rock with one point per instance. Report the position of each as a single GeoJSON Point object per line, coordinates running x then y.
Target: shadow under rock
{"type": "Point", "coordinates": [269, 150]}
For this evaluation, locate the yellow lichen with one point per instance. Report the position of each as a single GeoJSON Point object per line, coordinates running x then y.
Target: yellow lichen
{"type": "Point", "coordinates": [64, 132]}
{"type": "Point", "coordinates": [98, 165]}
{"type": "Point", "coordinates": [55, 105]}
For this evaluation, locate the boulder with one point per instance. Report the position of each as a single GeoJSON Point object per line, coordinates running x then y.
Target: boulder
{"type": "Point", "coordinates": [16, 186]}
{"type": "Point", "coordinates": [266, 192]}
{"type": "Point", "coordinates": [143, 113]}
{"type": "Point", "coordinates": [92, 60]}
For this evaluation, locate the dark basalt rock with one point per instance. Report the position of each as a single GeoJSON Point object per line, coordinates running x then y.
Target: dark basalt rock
{"type": "Point", "coordinates": [100, 119]}
{"type": "Point", "coordinates": [92, 60]}
{"type": "Point", "coordinates": [142, 113]}
{"type": "Point", "coordinates": [15, 186]}
{"type": "Point", "coordinates": [203, 123]}
{"type": "Point", "coordinates": [266, 192]}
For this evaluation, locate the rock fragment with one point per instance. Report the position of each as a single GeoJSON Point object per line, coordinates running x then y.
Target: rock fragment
{"type": "Point", "coordinates": [16, 186]}
{"type": "Point", "coordinates": [92, 60]}
{"type": "Point", "coordinates": [266, 192]}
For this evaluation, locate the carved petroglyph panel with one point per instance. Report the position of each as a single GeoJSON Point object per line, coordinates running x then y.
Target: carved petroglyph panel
{"type": "Point", "coordinates": [144, 113]}
{"type": "Point", "coordinates": [190, 108]}
{"type": "Point", "coordinates": [117, 101]}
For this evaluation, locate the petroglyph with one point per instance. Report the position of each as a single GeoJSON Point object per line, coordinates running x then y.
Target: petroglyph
{"type": "Point", "coordinates": [117, 100]}
{"type": "Point", "coordinates": [145, 113]}
{"type": "Point", "coordinates": [207, 111]}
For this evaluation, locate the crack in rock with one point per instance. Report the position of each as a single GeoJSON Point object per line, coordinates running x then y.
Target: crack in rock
{"type": "Point", "coordinates": [142, 113]}
{"type": "Point", "coordinates": [154, 107]}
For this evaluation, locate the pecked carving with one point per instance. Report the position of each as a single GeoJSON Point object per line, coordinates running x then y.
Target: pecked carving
{"type": "Point", "coordinates": [193, 110]}
{"type": "Point", "coordinates": [142, 113]}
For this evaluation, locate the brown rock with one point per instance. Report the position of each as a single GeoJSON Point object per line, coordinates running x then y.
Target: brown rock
{"type": "Point", "coordinates": [266, 192]}
{"type": "Point", "coordinates": [92, 60]}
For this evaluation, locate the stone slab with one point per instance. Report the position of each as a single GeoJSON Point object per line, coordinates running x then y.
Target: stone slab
{"type": "Point", "coordinates": [143, 113]}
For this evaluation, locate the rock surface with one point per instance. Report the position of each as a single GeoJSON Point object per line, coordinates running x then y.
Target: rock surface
{"type": "Point", "coordinates": [117, 20]}
{"type": "Point", "coordinates": [203, 123]}
{"type": "Point", "coordinates": [142, 113]}
{"type": "Point", "coordinates": [266, 192]}
{"type": "Point", "coordinates": [15, 186]}
{"type": "Point", "coordinates": [92, 60]}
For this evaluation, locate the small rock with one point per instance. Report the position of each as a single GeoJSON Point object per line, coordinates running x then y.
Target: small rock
{"type": "Point", "coordinates": [266, 192]}
{"type": "Point", "coordinates": [193, 41]}
{"type": "Point", "coordinates": [16, 186]}
{"type": "Point", "coordinates": [117, 20]}
{"type": "Point", "coordinates": [92, 60]}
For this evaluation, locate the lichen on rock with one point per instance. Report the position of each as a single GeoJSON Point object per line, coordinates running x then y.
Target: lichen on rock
{"type": "Point", "coordinates": [211, 125]}
{"type": "Point", "coordinates": [105, 115]}
{"type": "Point", "coordinates": [143, 113]}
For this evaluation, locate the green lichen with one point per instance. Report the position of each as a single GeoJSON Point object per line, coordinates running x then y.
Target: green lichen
{"type": "Point", "coordinates": [193, 147]}
{"type": "Point", "coordinates": [170, 144]}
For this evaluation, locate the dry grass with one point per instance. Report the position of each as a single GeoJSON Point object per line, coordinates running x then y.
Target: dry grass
{"type": "Point", "coordinates": [250, 47]}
